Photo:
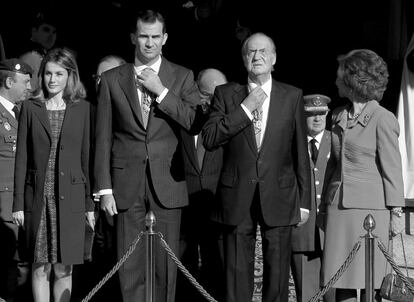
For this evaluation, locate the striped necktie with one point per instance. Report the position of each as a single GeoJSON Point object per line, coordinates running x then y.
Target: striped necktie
{"type": "Point", "coordinates": [146, 100]}
{"type": "Point", "coordinates": [257, 123]}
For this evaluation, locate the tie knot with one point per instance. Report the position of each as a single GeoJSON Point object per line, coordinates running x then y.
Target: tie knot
{"type": "Point", "coordinates": [313, 141]}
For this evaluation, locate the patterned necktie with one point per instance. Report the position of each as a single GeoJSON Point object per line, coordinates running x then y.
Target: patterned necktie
{"type": "Point", "coordinates": [314, 150]}
{"type": "Point", "coordinates": [16, 112]}
{"type": "Point", "coordinates": [146, 100]}
{"type": "Point", "coordinates": [257, 123]}
{"type": "Point", "coordinates": [200, 151]}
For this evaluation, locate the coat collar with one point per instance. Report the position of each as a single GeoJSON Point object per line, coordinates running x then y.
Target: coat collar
{"type": "Point", "coordinates": [41, 113]}
{"type": "Point", "coordinates": [363, 119]}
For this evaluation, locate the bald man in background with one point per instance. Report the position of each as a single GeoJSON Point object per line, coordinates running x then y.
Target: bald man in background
{"type": "Point", "coordinates": [199, 239]}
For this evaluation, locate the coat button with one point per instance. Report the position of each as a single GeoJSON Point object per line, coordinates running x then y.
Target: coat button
{"type": "Point", "coordinates": [315, 169]}
{"type": "Point", "coordinates": [62, 197]}
{"type": "Point", "coordinates": [6, 188]}
{"type": "Point", "coordinates": [318, 196]}
{"type": "Point", "coordinates": [317, 182]}
{"type": "Point", "coordinates": [61, 147]}
{"type": "Point", "coordinates": [62, 173]}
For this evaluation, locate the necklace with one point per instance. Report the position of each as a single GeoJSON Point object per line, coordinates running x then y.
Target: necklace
{"type": "Point", "coordinates": [354, 116]}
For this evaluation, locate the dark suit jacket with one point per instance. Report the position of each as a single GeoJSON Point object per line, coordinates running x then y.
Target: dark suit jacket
{"type": "Point", "coordinates": [205, 179]}
{"type": "Point", "coordinates": [8, 137]}
{"type": "Point", "coordinates": [72, 163]}
{"type": "Point", "coordinates": [304, 238]}
{"type": "Point", "coordinates": [281, 168]}
{"type": "Point", "coordinates": [123, 145]}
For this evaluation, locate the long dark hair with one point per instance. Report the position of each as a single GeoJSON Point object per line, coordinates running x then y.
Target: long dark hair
{"type": "Point", "coordinates": [74, 90]}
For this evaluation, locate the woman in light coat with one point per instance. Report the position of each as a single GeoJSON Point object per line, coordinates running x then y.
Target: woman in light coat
{"type": "Point", "coordinates": [366, 173]}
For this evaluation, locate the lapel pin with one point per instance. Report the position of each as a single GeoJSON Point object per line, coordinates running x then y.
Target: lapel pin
{"type": "Point", "coordinates": [7, 126]}
{"type": "Point", "coordinates": [366, 118]}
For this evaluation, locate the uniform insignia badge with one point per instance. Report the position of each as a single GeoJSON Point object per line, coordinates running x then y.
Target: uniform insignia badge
{"type": "Point", "coordinates": [366, 118]}
{"type": "Point", "coordinates": [7, 126]}
{"type": "Point", "coordinates": [317, 101]}
{"type": "Point", "coordinates": [14, 148]}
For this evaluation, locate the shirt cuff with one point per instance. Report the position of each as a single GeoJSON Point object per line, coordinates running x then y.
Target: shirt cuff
{"type": "Point", "coordinates": [249, 114]}
{"type": "Point", "coordinates": [304, 210]}
{"type": "Point", "coordinates": [162, 95]}
{"type": "Point", "coordinates": [103, 192]}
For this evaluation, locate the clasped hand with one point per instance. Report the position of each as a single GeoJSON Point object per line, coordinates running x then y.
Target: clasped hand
{"type": "Point", "coordinates": [255, 99]}
{"type": "Point", "coordinates": [150, 80]}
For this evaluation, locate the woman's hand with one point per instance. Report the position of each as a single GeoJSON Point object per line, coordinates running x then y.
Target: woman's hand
{"type": "Point", "coordinates": [90, 219]}
{"type": "Point", "coordinates": [18, 218]}
{"type": "Point", "coordinates": [397, 221]}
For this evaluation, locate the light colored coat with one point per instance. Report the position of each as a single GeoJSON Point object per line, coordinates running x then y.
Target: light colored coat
{"type": "Point", "coordinates": [370, 159]}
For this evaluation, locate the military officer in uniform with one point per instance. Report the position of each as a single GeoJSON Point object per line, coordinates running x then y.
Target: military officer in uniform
{"type": "Point", "coordinates": [307, 240]}
{"type": "Point", "coordinates": [15, 87]}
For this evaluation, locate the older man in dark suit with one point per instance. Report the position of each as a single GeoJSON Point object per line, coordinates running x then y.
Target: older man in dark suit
{"type": "Point", "coordinates": [307, 240]}
{"type": "Point", "coordinates": [265, 177]}
{"type": "Point", "coordinates": [141, 110]}
{"type": "Point", "coordinates": [14, 88]}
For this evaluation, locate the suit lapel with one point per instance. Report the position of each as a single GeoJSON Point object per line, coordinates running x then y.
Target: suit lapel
{"type": "Point", "coordinates": [127, 84]}
{"type": "Point", "coordinates": [166, 75]}
{"type": "Point", "coordinates": [5, 114]}
{"type": "Point", "coordinates": [41, 113]}
{"type": "Point", "coordinates": [272, 116]}
{"type": "Point", "coordinates": [240, 94]}
{"type": "Point", "coordinates": [69, 112]}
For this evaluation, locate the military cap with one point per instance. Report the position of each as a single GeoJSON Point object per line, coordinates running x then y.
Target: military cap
{"type": "Point", "coordinates": [16, 65]}
{"type": "Point", "coordinates": [316, 102]}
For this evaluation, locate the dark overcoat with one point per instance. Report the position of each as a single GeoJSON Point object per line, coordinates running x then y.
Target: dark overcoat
{"type": "Point", "coordinates": [72, 175]}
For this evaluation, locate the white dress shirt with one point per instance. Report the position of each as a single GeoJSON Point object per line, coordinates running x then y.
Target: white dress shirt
{"type": "Point", "coordinates": [267, 88]}
{"type": "Point", "coordinates": [8, 105]}
{"type": "Point", "coordinates": [318, 139]}
{"type": "Point", "coordinates": [139, 67]}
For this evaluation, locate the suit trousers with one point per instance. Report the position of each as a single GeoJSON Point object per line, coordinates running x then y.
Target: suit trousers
{"type": "Point", "coordinates": [200, 250]}
{"type": "Point", "coordinates": [129, 224]}
{"type": "Point", "coordinates": [14, 272]}
{"type": "Point", "coordinates": [306, 273]}
{"type": "Point", "coordinates": [239, 251]}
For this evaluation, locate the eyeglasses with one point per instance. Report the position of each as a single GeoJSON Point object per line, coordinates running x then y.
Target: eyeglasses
{"type": "Point", "coordinates": [206, 95]}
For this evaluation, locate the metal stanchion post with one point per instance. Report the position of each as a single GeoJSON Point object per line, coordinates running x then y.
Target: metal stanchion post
{"type": "Point", "coordinates": [369, 226]}
{"type": "Point", "coordinates": [150, 262]}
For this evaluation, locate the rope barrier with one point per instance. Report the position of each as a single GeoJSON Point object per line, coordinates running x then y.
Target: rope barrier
{"type": "Point", "coordinates": [395, 267]}
{"type": "Point", "coordinates": [185, 271]}
{"type": "Point", "coordinates": [338, 274]}
{"type": "Point", "coordinates": [114, 269]}
{"type": "Point", "coordinates": [197, 285]}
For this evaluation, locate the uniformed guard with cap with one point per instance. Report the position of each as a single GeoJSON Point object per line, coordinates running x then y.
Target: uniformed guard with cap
{"type": "Point", "coordinates": [14, 88]}
{"type": "Point", "coordinates": [307, 240]}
